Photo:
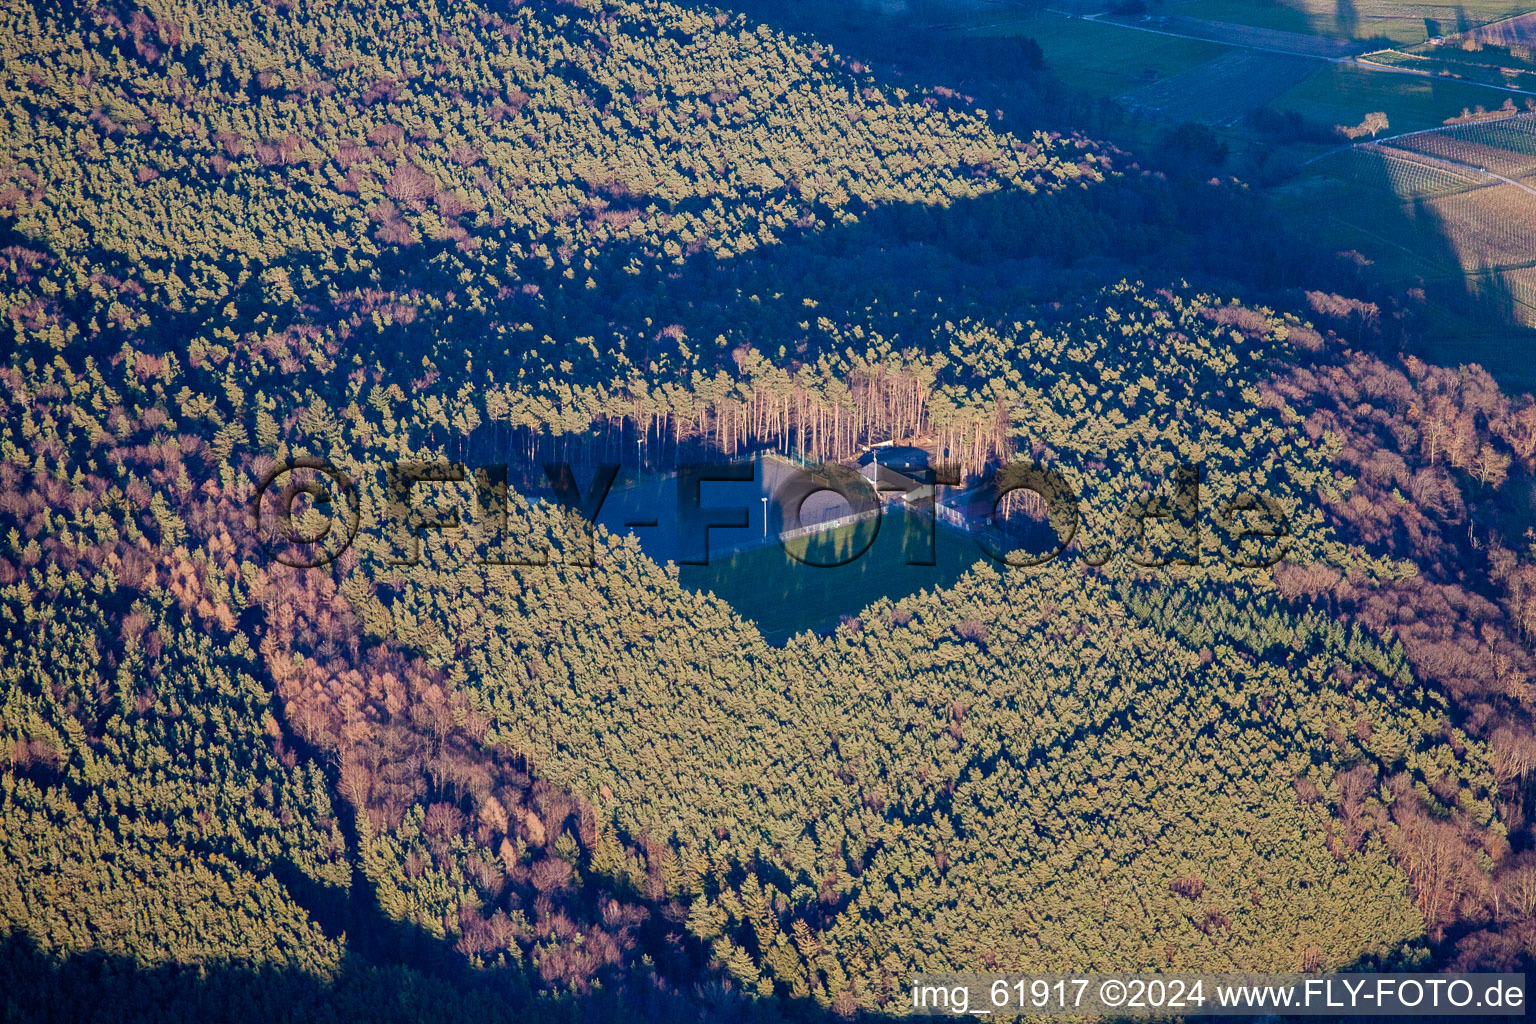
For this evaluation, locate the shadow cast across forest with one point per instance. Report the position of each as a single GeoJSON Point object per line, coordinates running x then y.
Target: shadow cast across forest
{"type": "Point", "coordinates": [895, 271]}
{"type": "Point", "coordinates": [992, 258]}
{"type": "Point", "coordinates": [390, 970]}
{"type": "Point", "coordinates": [1227, 238]}
{"type": "Point", "coordinates": [96, 988]}
{"type": "Point", "coordinates": [1459, 242]}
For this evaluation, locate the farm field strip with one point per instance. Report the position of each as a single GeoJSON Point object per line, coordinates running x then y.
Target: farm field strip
{"type": "Point", "coordinates": [1401, 173]}
{"type": "Point", "coordinates": [1502, 149]}
{"type": "Point", "coordinates": [1499, 160]}
{"type": "Point", "coordinates": [1222, 91]}
{"type": "Point", "coordinates": [1105, 59]}
{"type": "Point", "coordinates": [1517, 31]}
{"type": "Point", "coordinates": [1522, 289]}
{"type": "Point", "coordinates": [1403, 23]}
{"type": "Point", "coordinates": [1294, 44]}
{"type": "Point", "coordinates": [1397, 58]}
{"type": "Point", "coordinates": [1467, 234]}
{"type": "Point", "coordinates": [1489, 227]}
{"type": "Point", "coordinates": [1426, 213]}
{"type": "Point", "coordinates": [1485, 123]}
{"type": "Point", "coordinates": [1496, 68]}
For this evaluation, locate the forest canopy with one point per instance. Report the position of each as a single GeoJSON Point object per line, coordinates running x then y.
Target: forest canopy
{"type": "Point", "coordinates": [239, 234]}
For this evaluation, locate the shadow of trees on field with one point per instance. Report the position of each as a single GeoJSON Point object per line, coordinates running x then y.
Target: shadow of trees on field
{"type": "Point", "coordinates": [1465, 308]}
{"type": "Point", "coordinates": [1346, 17]}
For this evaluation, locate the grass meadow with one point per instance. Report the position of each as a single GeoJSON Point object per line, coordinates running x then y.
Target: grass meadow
{"type": "Point", "coordinates": [1105, 59]}
{"type": "Point", "coordinates": [1402, 23]}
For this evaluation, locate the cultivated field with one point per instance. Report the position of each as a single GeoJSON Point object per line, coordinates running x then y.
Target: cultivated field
{"type": "Point", "coordinates": [1423, 210]}
{"type": "Point", "coordinates": [1521, 285]}
{"type": "Point", "coordinates": [997, 11]}
{"type": "Point", "coordinates": [1404, 23]}
{"type": "Point", "coordinates": [1517, 31]}
{"type": "Point", "coordinates": [1257, 36]}
{"type": "Point", "coordinates": [1501, 66]}
{"type": "Point", "coordinates": [1506, 148]}
{"type": "Point", "coordinates": [1222, 91]}
{"type": "Point", "coordinates": [1459, 221]}
{"type": "Point", "coordinates": [1130, 56]}
{"type": "Point", "coordinates": [1489, 227]}
{"type": "Point", "coordinates": [1344, 94]}
{"type": "Point", "coordinates": [1105, 59]}
{"type": "Point", "coordinates": [1466, 240]}
{"type": "Point", "coordinates": [1400, 174]}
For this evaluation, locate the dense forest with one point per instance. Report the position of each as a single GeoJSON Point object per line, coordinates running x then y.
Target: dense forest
{"type": "Point", "coordinates": [240, 234]}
